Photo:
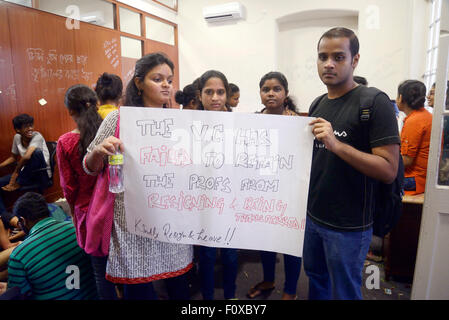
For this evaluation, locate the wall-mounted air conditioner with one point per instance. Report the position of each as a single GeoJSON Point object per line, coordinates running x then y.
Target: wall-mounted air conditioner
{"type": "Point", "coordinates": [95, 17]}
{"type": "Point", "coordinates": [224, 12]}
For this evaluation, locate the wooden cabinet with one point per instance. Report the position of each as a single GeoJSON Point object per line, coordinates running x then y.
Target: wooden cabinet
{"type": "Point", "coordinates": [401, 244]}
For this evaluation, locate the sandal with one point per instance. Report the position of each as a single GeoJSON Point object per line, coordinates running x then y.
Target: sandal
{"type": "Point", "coordinates": [259, 290]}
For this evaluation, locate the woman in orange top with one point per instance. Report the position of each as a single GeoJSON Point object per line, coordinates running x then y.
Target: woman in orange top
{"type": "Point", "coordinates": [415, 135]}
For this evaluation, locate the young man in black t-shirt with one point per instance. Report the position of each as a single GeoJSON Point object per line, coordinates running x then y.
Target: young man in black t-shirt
{"type": "Point", "coordinates": [343, 177]}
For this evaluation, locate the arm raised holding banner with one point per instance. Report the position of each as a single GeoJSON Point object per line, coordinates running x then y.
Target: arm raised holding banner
{"type": "Point", "coordinates": [134, 260]}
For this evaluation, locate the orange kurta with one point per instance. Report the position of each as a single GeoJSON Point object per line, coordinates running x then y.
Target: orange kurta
{"type": "Point", "coordinates": [415, 142]}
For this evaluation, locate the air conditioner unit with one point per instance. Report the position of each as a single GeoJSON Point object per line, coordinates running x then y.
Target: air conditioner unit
{"type": "Point", "coordinates": [95, 17]}
{"type": "Point", "coordinates": [223, 12]}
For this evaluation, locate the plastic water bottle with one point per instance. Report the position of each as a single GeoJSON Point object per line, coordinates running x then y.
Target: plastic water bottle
{"type": "Point", "coordinates": [116, 173]}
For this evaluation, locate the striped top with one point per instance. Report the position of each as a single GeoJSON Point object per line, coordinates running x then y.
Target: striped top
{"type": "Point", "coordinates": [49, 264]}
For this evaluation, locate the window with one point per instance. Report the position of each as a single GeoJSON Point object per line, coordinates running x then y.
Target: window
{"type": "Point", "coordinates": [432, 47]}
{"type": "Point", "coordinates": [130, 22]}
{"type": "Point", "coordinates": [172, 4]}
{"type": "Point", "coordinates": [159, 31]}
{"type": "Point", "coordinates": [98, 12]}
{"type": "Point", "coordinates": [26, 3]}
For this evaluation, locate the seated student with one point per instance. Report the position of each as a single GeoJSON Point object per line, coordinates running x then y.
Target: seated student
{"type": "Point", "coordinates": [8, 222]}
{"type": "Point", "coordinates": [234, 96]}
{"type": "Point", "coordinates": [4, 258]}
{"type": "Point", "coordinates": [415, 134]}
{"type": "Point", "coordinates": [109, 90]}
{"type": "Point", "coordinates": [3, 286]}
{"type": "Point", "coordinates": [39, 265]}
{"type": "Point", "coordinates": [30, 146]}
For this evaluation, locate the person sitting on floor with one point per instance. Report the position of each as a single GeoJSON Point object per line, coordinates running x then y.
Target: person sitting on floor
{"type": "Point", "coordinates": [48, 264]}
{"type": "Point", "coordinates": [30, 147]}
{"type": "Point", "coordinates": [8, 223]}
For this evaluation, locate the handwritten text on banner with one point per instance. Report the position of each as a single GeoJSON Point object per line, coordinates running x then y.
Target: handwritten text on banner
{"type": "Point", "coordinates": [217, 179]}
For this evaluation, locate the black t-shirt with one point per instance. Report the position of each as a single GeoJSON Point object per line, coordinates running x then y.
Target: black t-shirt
{"type": "Point", "coordinates": [340, 197]}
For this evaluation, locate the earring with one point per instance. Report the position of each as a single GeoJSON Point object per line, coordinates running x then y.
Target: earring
{"type": "Point", "coordinates": [139, 92]}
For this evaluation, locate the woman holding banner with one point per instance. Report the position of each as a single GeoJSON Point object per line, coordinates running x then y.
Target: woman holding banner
{"type": "Point", "coordinates": [274, 96]}
{"type": "Point", "coordinates": [214, 90]}
{"type": "Point", "coordinates": [133, 260]}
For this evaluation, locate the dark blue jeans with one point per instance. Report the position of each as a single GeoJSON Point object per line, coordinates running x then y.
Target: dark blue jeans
{"type": "Point", "coordinates": [409, 184]}
{"type": "Point", "coordinates": [229, 258]}
{"type": "Point", "coordinates": [333, 261]}
{"type": "Point", "coordinates": [292, 269]}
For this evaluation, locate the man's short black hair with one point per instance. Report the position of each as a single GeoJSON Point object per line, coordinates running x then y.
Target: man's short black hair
{"type": "Point", "coordinates": [32, 206]}
{"type": "Point", "coordinates": [22, 119]}
{"type": "Point", "coordinates": [341, 32]}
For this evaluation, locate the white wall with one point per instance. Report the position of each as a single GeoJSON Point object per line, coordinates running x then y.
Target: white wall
{"type": "Point", "coordinates": [392, 36]}
{"type": "Point", "coordinates": [298, 62]}
{"type": "Point", "coordinates": [276, 36]}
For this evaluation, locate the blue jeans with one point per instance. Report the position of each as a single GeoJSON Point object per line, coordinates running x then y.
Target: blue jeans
{"type": "Point", "coordinates": [333, 261]}
{"type": "Point", "coordinates": [292, 269]}
{"type": "Point", "coordinates": [409, 184]}
{"type": "Point", "coordinates": [229, 259]}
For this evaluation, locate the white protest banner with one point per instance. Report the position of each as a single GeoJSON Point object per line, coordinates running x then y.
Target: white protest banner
{"type": "Point", "coordinates": [217, 179]}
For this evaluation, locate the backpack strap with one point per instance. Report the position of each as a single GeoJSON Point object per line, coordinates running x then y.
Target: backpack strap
{"type": "Point", "coordinates": [366, 109]}
{"type": "Point", "coordinates": [366, 103]}
{"type": "Point", "coordinates": [315, 104]}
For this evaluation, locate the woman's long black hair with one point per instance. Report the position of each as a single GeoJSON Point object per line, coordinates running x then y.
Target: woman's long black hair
{"type": "Point", "coordinates": [145, 64]}
{"type": "Point", "coordinates": [289, 103]}
{"type": "Point", "coordinates": [201, 82]}
{"type": "Point", "coordinates": [83, 101]}
{"type": "Point", "coordinates": [413, 93]}
{"type": "Point", "coordinates": [109, 87]}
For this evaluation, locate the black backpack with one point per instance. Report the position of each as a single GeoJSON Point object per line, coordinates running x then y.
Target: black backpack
{"type": "Point", "coordinates": [388, 200]}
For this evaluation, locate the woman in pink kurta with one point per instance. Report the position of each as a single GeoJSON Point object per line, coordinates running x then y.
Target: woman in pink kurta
{"type": "Point", "coordinates": [78, 186]}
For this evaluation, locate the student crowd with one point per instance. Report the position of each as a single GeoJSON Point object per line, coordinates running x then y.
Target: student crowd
{"type": "Point", "coordinates": [112, 263]}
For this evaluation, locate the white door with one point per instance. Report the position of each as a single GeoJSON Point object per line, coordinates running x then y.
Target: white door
{"type": "Point", "coordinates": [431, 279]}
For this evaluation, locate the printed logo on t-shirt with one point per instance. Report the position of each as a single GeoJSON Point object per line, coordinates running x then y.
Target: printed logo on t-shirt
{"type": "Point", "coordinates": [340, 134]}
